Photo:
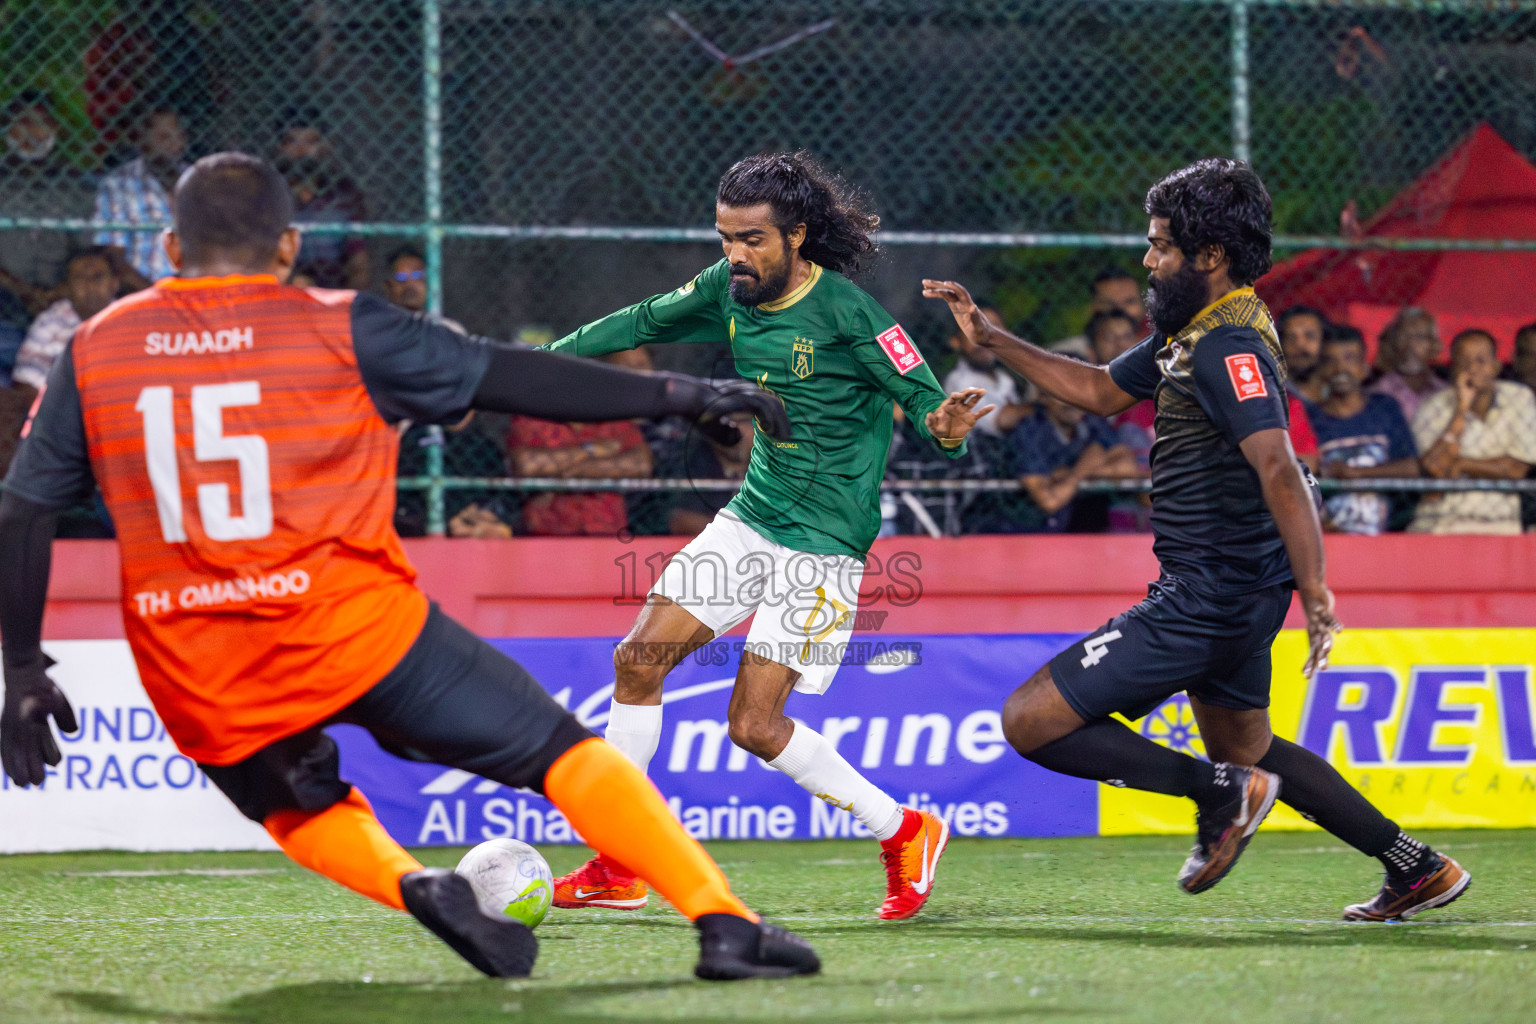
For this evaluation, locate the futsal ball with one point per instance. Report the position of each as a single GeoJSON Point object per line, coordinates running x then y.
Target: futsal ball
{"type": "Point", "coordinates": [509, 878]}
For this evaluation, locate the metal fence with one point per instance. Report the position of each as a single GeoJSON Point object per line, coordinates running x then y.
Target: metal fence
{"type": "Point", "coordinates": [555, 159]}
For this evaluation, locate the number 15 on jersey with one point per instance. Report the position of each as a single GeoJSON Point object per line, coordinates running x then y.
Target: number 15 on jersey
{"type": "Point", "coordinates": [210, 444]}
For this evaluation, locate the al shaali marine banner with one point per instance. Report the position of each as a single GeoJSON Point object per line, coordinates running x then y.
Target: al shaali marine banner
{"type": "Point", "coordinates": [1437, 726]}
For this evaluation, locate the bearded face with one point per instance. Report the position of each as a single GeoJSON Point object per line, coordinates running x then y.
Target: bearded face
{"type": "Point", "coordinates": [764, 280]}
{"type": "Point", "coordinates": [1173, 301]}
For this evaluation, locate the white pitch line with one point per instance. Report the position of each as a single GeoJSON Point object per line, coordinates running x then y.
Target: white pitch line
{"type": "Point", "coordinates": [172, 873]}
{"type": "Point", "coordinates": [76, 920]}
{"type": "Point", "coordinates": [982, 922]}
{"type": "Point", "coordinates": [1116, 855]}
{"type": "Point", "coordinates": [976, 922]}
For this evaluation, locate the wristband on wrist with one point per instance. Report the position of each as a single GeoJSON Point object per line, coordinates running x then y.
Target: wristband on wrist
{"type": "Point", "coordinates": [950, 443]}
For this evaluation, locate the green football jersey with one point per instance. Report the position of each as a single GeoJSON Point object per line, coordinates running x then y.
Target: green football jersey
{"type": "Point", "coordinates": [835, 358]}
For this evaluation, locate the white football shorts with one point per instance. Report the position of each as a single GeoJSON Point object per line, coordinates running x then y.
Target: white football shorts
{"type": "Point", "coordinates": [805, 603]}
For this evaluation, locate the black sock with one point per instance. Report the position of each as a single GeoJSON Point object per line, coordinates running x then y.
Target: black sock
{"type": "Point", "coordinates": [1108, 751]}
{"type": "Point", "coordinates": [1406, 857]}
{"type": "Point", "coordinates": [1316, 789]}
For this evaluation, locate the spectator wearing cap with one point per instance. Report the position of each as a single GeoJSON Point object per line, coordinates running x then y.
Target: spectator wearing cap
{"type": "Point", "coordinates": [1479, 428]}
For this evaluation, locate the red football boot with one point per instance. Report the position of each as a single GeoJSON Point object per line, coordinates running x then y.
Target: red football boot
{"type": "Point", "coordinates": [598, 884]}
{"type": "Point", "coordinates": [911, 859]}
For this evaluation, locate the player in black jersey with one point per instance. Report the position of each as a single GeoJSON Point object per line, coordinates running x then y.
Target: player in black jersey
{"type": "Point", "coordinates": [1234, 517]}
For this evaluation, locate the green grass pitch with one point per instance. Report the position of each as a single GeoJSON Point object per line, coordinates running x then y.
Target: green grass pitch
{"type": "Point", "coordinates": [1048, 930]}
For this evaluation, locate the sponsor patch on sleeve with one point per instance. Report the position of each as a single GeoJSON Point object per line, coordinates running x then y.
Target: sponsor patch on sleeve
{"type": "Point", "coordinates": [899, 349]}
{"type": "Point", "coordinates": [1247, 378]}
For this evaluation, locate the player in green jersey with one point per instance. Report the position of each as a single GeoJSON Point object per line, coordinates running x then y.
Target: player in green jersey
{"type": "Point", "coordinates": [791, 545]}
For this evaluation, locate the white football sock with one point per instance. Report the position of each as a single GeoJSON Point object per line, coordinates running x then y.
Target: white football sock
{"type": "Point", "coordinates": [817, 766]}
{"type": "Point", "coordinates": [636, 730]}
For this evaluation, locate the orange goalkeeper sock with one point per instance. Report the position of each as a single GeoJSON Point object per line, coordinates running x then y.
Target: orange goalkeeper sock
{"type": "Point", "coordinates": [619, 812]}
{"type": "Point", "coordinates": [346, 844]}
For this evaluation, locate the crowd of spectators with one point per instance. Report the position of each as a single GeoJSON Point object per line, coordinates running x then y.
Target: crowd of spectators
{"type": "Point", "coordinates": [50, 281]}
{"type": "Point", "coordinates": [1399, 415]}
{"type": "Point", "coordinates": [1402, 418]}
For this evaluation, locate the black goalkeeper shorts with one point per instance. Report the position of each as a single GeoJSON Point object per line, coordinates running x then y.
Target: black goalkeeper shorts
{"type": "Point", "coordinates": [453, 700]}
{"type": "Point", "coordinates": [1178, 640]}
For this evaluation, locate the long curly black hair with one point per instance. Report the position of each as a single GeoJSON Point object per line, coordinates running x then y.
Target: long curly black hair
{"type": "Point", "coordinates": [838, 223]}
{"type": "Point", "coordinates": [1218, 201]}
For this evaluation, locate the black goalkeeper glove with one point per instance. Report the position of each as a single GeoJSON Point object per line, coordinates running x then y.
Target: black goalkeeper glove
{"type": "Point", "coordinates": [709, 403]}
{"type": "Point", "coordinates": [26, 741]}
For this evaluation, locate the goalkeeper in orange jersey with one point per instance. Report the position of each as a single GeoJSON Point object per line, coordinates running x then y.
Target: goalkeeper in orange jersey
{"type": "Point", "coordinates": [242, 433]}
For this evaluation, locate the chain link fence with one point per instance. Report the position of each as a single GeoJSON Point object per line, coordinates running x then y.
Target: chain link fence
{"type": "Point", "coordinates": [551, 160]}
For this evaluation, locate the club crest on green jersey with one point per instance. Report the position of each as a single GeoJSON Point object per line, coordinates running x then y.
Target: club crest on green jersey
{"type": "Point", "coordinates": [801, 357]}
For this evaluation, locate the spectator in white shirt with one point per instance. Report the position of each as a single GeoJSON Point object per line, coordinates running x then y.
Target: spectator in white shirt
{"type": "Point", "coordinates": [1481, 427]}
{"type": "Point", "coordinates": [91, 281]}
{"type": "Point", "coordinates": [977, 367]}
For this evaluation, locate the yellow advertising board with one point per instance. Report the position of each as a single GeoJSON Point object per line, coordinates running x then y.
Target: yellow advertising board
{"type": "Point", "coordinates": [1436, 726]}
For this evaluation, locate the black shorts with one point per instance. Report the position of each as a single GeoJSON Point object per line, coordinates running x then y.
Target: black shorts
{"type": "Point", "coordinates": [1215, 648]}
{"type": "Point", "coordinates": [453, 700]}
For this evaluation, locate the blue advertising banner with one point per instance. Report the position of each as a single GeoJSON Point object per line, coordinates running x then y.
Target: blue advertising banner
{"type": "Point", "coordinates": [919, 715]}
{"type": "Point", "coordinates": [1437, 727]}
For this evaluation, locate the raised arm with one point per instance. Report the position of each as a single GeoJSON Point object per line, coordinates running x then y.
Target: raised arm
{"type": "Point", "coordinates": [419, 370]}
{"type": "Point", "coordinates": [1086, 386]}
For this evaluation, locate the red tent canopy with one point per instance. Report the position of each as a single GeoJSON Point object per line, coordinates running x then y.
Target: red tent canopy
{"type": "Point", "coordinates": [1482, 188]}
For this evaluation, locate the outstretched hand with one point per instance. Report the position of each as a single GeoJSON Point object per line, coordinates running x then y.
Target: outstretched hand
{"type": "Point", "coordinates": [710, 402]}
{"type": "Point", "coordinates": [740, 396]}
{"type": "Point", "coordinates": [961, 306]}
{"type": "Point", "coordinates": [958, 414]}
{"type": "Point", "coordinates": [26, 740]}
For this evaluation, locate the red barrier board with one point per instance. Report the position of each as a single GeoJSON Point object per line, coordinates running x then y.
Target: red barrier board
{"type": "Point", "coordinates": [588, 586]}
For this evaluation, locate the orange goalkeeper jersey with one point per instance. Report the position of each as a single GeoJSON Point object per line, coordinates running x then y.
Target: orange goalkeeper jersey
{"type": "Point", "coordinates": [248, 462]}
